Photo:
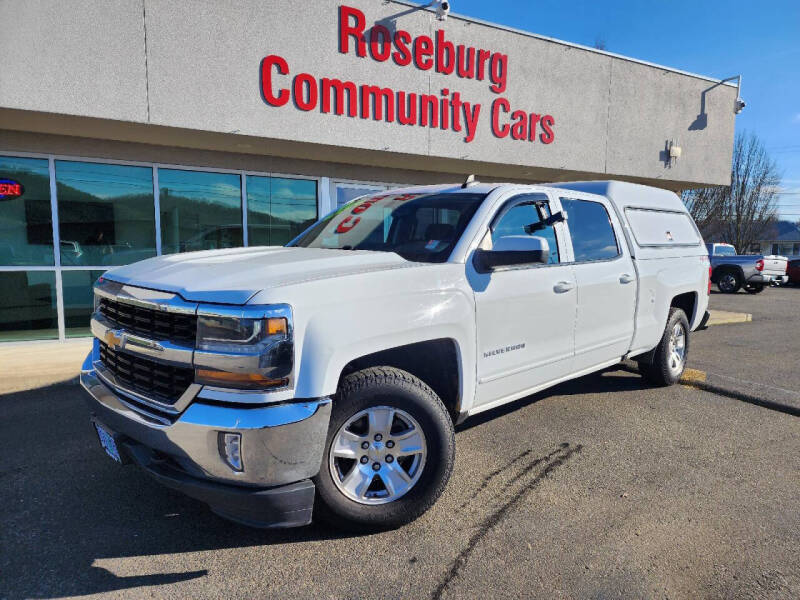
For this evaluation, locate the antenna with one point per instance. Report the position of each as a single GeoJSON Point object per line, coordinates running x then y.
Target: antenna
{"type": "Point", "coordinates": [469, 181]}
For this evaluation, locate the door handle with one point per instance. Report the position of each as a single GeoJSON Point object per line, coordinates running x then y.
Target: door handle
{"type": "Point", "coordinates": [625, 278]}
{"type": "Point", "coordinates": [563, 286]}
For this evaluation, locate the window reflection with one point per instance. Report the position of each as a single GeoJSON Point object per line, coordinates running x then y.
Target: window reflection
{"type": "Point", "coordinates": [515, 221]}
{"type": "Point", "coordinates": [28, 305]}
{"type": "Point", "coordinates": [279, 209]}
{"type": "Point", "coordinates": [199, 210]}
{"type": "Point", "coordinates": [26, 230]}
{"type": "Point", "coordinates": [591, 231]}
{"type": "Point", "coordinates": [346, 192]}
{"type": "Point", "coordinates": [105, 213]}
{"type": "Point", "coordinates": [78, 300]}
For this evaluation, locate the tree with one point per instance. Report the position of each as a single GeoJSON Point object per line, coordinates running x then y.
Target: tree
{"type": "Point", "coordinates": [739, 214]}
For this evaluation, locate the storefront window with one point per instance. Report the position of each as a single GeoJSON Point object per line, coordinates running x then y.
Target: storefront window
{"type": "Point", "coordinates": [107, 217]}
{"type": "Point", "coordinates": [279, 209]}
{"type": "Point", "coordinates": [28, 305]}
{"type": "Point", "coordinates": [26, 228]}
{"type": "Point", "coordinates": [78, 300]}
{"type": "Point", "coordinates": [199, 210]}
{"type": "Point", "coordinates": [105, 213]}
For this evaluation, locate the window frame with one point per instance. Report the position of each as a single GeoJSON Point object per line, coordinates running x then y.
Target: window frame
{"type": "Point", "coordinates": [611, 216]}
{"type": "Point", "coordinates": [553, 205]}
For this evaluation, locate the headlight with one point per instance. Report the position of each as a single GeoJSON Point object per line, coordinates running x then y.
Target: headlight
{"type": "Point", "coordinates": [232, 334]}
{"type": "Point", "coordinates": [244, 348]}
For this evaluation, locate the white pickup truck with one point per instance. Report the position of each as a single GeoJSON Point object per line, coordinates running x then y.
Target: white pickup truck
{"type": "Point", "coordinates": [263, 381]}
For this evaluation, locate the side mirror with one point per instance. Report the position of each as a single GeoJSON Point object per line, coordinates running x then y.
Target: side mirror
{"type": "Point", "coordinates": [512, 251]}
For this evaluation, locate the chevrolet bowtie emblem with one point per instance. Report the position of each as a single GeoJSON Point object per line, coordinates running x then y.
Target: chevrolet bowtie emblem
{"type": "Point", "coordinates": [114, 339]}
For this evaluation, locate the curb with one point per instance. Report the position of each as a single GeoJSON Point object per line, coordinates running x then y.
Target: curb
{"type": "Point", "coordinates": [724, 317]}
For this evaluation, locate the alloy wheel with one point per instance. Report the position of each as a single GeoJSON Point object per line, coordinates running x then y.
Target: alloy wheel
{"type": "Point", "coordinates": [727, 282]}
{"type": "Point", "coordinates": [378, 455]}
{"type": "Point", "coordinates": [677, 349]}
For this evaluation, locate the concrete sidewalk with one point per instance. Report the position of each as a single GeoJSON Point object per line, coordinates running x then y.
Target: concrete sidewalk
{"type": "Point", "coordinates": [31, 365]}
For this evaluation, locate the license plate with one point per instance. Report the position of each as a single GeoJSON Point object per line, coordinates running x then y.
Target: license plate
{"type": "Point", "coordinates": [108, 443]}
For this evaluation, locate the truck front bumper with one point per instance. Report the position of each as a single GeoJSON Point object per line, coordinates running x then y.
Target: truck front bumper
{"type": "Point", "coordinates": [281, 448]}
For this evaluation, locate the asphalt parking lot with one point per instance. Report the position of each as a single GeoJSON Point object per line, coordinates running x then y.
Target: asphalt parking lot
{"type": "Point", "coordinates": [599, 488]}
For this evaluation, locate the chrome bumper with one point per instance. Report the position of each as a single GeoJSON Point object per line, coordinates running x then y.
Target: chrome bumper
{"type": "Point", "coordinates": [280, 444]}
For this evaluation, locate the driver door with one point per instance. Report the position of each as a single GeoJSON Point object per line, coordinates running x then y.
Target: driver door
{"type": "Point", "coordinates": [525, 314]}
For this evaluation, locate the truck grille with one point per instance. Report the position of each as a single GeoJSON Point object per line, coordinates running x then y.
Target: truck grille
{"type": "Point", "coordinates": [156, 381]}
{"type": "Point", "coordinates": [149, 323]}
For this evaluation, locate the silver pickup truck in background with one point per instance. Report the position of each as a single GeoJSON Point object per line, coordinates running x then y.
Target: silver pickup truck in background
{"type": "Point", "coordinates": [732, 271]}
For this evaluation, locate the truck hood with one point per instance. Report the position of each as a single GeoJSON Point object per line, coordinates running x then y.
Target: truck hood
{"type": "Point", "coordinates": [235, 275]}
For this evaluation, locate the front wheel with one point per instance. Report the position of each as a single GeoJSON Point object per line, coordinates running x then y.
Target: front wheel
{"type": "Point", "coordinates": [389, 452]}
{"type": "Point", "coordinates": [669, 358]}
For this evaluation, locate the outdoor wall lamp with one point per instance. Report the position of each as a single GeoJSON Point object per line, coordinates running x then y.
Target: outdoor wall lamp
{"type": "Point", "coordinates": [674, 152]}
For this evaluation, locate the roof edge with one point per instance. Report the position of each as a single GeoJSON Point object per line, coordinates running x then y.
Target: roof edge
{"type": "Point", "coordinates": [430, 8]}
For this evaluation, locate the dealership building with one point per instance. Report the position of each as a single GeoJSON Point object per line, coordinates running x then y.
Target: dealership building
{"type": "Point", "coordinates": [135, 128]}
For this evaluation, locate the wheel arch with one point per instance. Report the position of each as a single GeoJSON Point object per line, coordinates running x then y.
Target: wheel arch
{"type": "Point", "coordinates": [436, 362]}
{"type": "Point", "coordinates": [687, 302]}
{"type": "Point", "coordinates": [722, 269]}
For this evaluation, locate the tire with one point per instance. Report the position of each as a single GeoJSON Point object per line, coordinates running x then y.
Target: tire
{"type": "Point", "coordinates": [663, 371]}
{"type": "Point", "coordinates": [369, 396]}
{"type": "Point", "coordinates": [729, 282]}
{"type": "Point", "coordinates": [754, 288]}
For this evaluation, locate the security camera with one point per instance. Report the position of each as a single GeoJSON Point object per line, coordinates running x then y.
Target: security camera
{"type": "Point", "coordinates": [738, 105]}
{"type": "Point", "coordinates": [442, 10]}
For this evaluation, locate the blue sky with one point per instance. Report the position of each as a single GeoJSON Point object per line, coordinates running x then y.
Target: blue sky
{"type": "Point", "coordinates": [718, 38]}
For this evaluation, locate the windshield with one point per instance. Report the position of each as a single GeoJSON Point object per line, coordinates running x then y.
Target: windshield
{"type": "Point", "coordinates": [418, 227]}
{"type": "Point", "coordinates": [725, 251]}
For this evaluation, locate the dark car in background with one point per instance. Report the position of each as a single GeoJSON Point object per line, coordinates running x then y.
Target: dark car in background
{"type": "Point", "coordinates": [793, 271]}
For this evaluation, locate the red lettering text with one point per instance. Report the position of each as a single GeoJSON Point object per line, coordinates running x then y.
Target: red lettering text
{"type": "Point", "coordinates": [266, 80]}
{"type": "Point", "coordinates": [346, 30]}
{"type": "Point", "coordinates": [497, 105]}
{"type": "Point", "coordinates": [547, 136]}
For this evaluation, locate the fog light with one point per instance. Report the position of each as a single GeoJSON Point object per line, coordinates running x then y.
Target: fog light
{"type": "Point", "coordinates": [230, 448]}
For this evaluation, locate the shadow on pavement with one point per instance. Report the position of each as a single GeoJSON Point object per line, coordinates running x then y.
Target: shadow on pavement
{"type": "Point", "coordinates": [65, 506]}
{"type": "Point", "coordinates": [608, 381]}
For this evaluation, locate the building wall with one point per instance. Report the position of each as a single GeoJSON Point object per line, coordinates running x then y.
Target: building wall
{"type": "Point", "coordinates": [188, 73]}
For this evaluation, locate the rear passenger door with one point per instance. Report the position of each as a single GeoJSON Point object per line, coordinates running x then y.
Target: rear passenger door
{"type": "Point", "coordinates": [606, 281]}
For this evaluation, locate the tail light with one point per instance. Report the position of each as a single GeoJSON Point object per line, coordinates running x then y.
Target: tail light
{"type": "Point", "coordinates": [759, 265]}
{"type": "Point", "coordinates": [709, 281]}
